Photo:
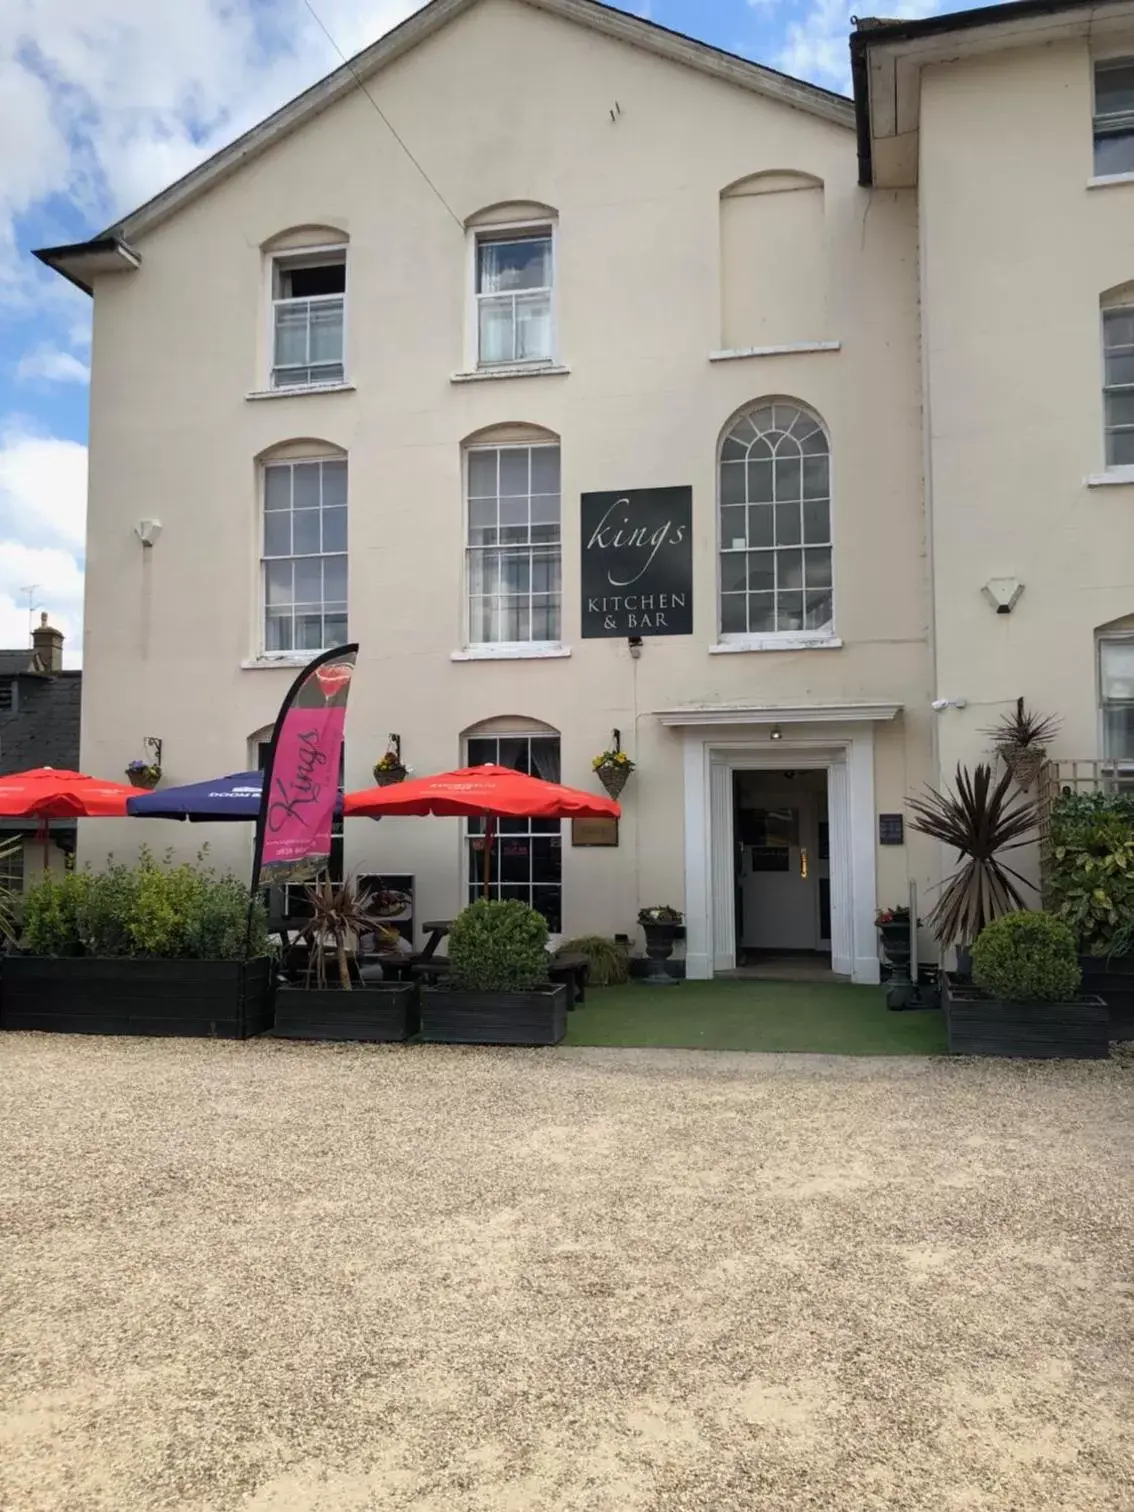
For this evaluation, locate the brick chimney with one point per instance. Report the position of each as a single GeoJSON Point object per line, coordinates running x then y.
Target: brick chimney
{"type": "Point", "coordinates": [47, 646]}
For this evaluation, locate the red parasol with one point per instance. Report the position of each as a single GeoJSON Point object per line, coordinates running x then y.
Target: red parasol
{"type": "Point", "coordinates": [49, 793]}
{"type": "Point", "coordinates": [488, 792]}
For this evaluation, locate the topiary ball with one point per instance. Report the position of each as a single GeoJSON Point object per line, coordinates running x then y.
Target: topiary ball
{"type": "Point", "coordinates": [498, 946]}
{"type": "Point", "coordinates": [1027, 957]}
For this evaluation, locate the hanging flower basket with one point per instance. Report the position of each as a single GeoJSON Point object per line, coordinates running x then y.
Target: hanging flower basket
{"type": "Point", "coordinates": [613, 778]}
{"type": "Point", "coordinates": [386, 774]}
{"type": "Point", "coordinates": [1024, 762]}
{"type": "Point", "coordinates": [613, 768]}
{"type": "Point", "coordinates": [142, 774]}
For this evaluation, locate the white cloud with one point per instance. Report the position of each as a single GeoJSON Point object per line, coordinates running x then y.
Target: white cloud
{"type": "Point", "coordinates": [43, 490]}
{"type": "Point", "coordinates": [816, 47]}
{"type": "Point", "coordinates": [47, 364]}
{"type": "Point", "coordinates": [43, 497]}
{"type": "Point", "coordinates": [113, 100]}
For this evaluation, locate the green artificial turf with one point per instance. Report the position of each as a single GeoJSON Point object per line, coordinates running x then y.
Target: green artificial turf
{"type": "Point", "coordinates": [833, 1018]}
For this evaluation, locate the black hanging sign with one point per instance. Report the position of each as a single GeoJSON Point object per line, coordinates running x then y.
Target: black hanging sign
{"type": "Point", "coordinates": [638, 562]}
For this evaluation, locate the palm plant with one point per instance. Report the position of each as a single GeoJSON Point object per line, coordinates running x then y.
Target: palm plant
{"type": "Point", "coordinates": [339, 915]}
{"type": "Point", "coordinates": [978, 821]}
{"type": "Point", "coordinates": [1021, 739]}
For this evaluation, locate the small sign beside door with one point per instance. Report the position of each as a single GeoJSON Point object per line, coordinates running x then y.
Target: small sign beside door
{"type": "Point", "coordinates": [637, 569]}
{"type": "Point", "coordinates": [891, 829]}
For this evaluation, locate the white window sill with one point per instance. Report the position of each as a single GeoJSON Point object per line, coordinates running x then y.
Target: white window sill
{"type": "Point", "coordinates": [513, 651]}
{"type": "Point", "coordinates": [1112, 478]}
{"type": "Point", "coordinates": [787, 641]}
{"type": "Point", "coordinates": [511, 370]}
{"type": "Point", "coordinates": [291, 659]}
{"type": "Point", "coordinates": [1105, 180]}
{"type": "Point", "coordinates": [732, 354]}
{"type": "Point", "coordinates": [299, 390]}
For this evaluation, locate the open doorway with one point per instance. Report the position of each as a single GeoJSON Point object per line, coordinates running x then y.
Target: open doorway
{"type": "Point", "coordinates": [782, 873]}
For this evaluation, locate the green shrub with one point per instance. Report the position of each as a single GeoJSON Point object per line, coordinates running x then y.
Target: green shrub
{"type": "Point", "coordinates": [1090, 885]}
{"type": "Point", "coordinates": [171, 912]}
{"type": "Point", "coordinates": [1027, 957]}
{"type": "Point", "coordinates": [609, 961]}
{"type": "Point", "coordinates": [498, 947]}
{"type": "Point", "coordinates": [51, 915]}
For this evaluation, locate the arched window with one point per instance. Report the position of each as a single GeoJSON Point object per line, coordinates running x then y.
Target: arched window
{"type": "Point", "coordinates": [775, 523]}
{"type": "Point", "coordinates": [527, 858]}
{"type": "Point", "coordinates": [303, 552]}
{"type": "Point", "coordinates": [512, 496]}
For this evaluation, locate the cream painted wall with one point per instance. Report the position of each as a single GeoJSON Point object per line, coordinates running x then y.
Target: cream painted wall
{"type": "Point", "coordinates": [506, 103]}
{"type": "Point", "coordinates": [1016, 251]}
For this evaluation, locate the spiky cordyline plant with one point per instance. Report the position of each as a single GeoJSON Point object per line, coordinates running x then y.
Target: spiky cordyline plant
{"type": "Point", "coordinates": [338, 916]}
{"type": "Point", "coordinates": [1023, 728]}
{"type": "Point", "coordinates": [978, 821]}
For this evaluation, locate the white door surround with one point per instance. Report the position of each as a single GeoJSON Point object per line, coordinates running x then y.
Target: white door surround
{"type": "Point", "coordinates": [721, 741]}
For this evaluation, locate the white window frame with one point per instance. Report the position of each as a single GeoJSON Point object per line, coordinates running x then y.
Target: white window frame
{"type": "Point", "coordinates": [1122, 764]}
{"type": "Point", "coordinates": [1124, 120]}
{"type": "Point", "coordinates": [502, 232]}
{"type": "Point", "coordinates": [328, 252]}
{"type": "Point", "coordinates": [469, 889]}
{"type": "Point", "coordinates": [302, 656]}
{"type": "Point", "coordinates": [1120, 469]}
{"type": "Point", "coordinates": [505, 648]}
{"type": "Point", "coordinates": [777, 640]}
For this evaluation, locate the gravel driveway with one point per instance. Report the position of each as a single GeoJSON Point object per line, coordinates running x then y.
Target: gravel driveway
{"type": "Point", "coordinates": [294, 1278]}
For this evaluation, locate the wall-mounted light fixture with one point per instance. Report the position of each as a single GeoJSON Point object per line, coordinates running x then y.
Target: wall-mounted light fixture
{"type": "Point", "coordinates": [941, 704]}
{"type": "Point", "coordinates": [1003, 593]}
{"type": "Point", "coordinates": [147, 531]}
{"type": "Point", "coordinates": [776, 733]}
{"type": "Point", "coordinates": [635, 644]}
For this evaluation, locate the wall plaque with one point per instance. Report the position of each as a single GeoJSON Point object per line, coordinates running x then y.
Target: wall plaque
{"type": "Point", "coordinates": [594, 831]}
{"type": "Point", "coordinates": [637, 572]}
{"type": "Point", "coordinates": [891, 829]}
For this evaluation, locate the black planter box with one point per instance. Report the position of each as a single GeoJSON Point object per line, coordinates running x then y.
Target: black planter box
{"type": "Point", "coordinates": [88, 995]}
{"type": "Point", "coordinates": [380, 1013]}
{"type": "Point", "coordinates": [449, 1017]}
{"type": "Point", "coordinates": [1112, 978]}
{"type": "Point", "coordinates": [979, 1025]}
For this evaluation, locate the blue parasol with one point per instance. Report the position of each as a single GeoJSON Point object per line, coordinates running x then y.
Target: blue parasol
{"type": "Point", "coordinates": [236, 796]}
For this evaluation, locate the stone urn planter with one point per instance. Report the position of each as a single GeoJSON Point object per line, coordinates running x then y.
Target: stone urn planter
{"type": "Point", "coordinates": [662, 927]}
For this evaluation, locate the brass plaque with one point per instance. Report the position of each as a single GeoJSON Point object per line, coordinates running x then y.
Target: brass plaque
{"type": "Point", "coordinates": [594, 831]}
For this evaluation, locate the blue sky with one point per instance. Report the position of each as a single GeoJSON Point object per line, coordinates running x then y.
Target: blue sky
{"type": "Point", "coordinates": [102, 102]}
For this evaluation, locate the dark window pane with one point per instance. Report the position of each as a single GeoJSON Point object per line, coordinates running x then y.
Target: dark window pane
{"type": "Point", "coordinates": [734, 617]}
{"type": "Point", "coordinates": [1114, 88]}
{"type": "Point", "coordinates": [733, 533]}
{"type": "Point", "coordinates": [514, 471]}
{"type": "Point", "coordinates": [816, 520]}
{"type": "Point", "coordinates": [1120, 409]}
{"type": "Point", "coordinates": [307, 535]}
{"type": "Point", "coordinates": [545, 469]}
{"type": "Point", "coordinates": [548, 902]}
{"type": "Point", "coordinates": [787, 525]}
{"type": "Point", "coordinates": [1118, 328]}
{"type": "Point", "coordinates": [789, 611]}
{"type": "Point", "coordinates": [305, 483]}
{"type": "Point", "coordinates": [1120, 368]}
{"type": "Point", "coordinates": [334, 483]}
{"type": "Point", "coordinates": [817, 609]}
{"type": "Point", "coordinates": [818, 568]}
{"type": "Point", "coordinates": [277, 534]}
{"type": "Point", "coordinates": [788, 477]}
{"type": "Point", "coordinates": [515, 860]}
{"type": "Point", "coordinates": [482, 474]}
{"type": "Point", "coordinates": [760, 524]}
{"type": "Point", "coordinates": [732, 483]}
{"type": "Point", "coordinates": [733, 450]}
{"type": "Point", "coordinates": [733, 571]}
{"type": "Point", "coordinates": [482, 751]}
{"type": "Point", "coordinates": [1120, 449]}
{"type": "Point", "coordinates": [816, 478]}
{"type": "Point", "coordinates": [762, 571]}
{"type": "Point", "coordinates": [334, 530]}
{"type": "Point", "coordinates": [277, 488]}
{"type": "Point", "coordinates": [789, 566]}
{"type": "Point", "coordinates": [760, 482]}
{"type": "Point", "coordinates": [761, 613]}
{"type": "Point", "coordinates": [1114, 153]}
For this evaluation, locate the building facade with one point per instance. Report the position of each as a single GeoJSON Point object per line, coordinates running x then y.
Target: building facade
{"type": "Point", "coordinates": [631, 387]}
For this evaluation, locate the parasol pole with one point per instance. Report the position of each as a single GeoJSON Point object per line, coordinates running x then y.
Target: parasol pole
{"type": "Point", "coordinates": [489, 838]}
{"type": "Point", "coordinates": [44, 837]}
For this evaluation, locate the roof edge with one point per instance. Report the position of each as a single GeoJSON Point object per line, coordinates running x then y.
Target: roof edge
{"type": "Point", "coordinates": [69, 260]}
{"type": "Point", "coordinates": [620, 25]}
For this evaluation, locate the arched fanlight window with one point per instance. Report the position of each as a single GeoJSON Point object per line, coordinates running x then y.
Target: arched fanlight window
{"type": "Point", "coordinates": [775, 523]}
